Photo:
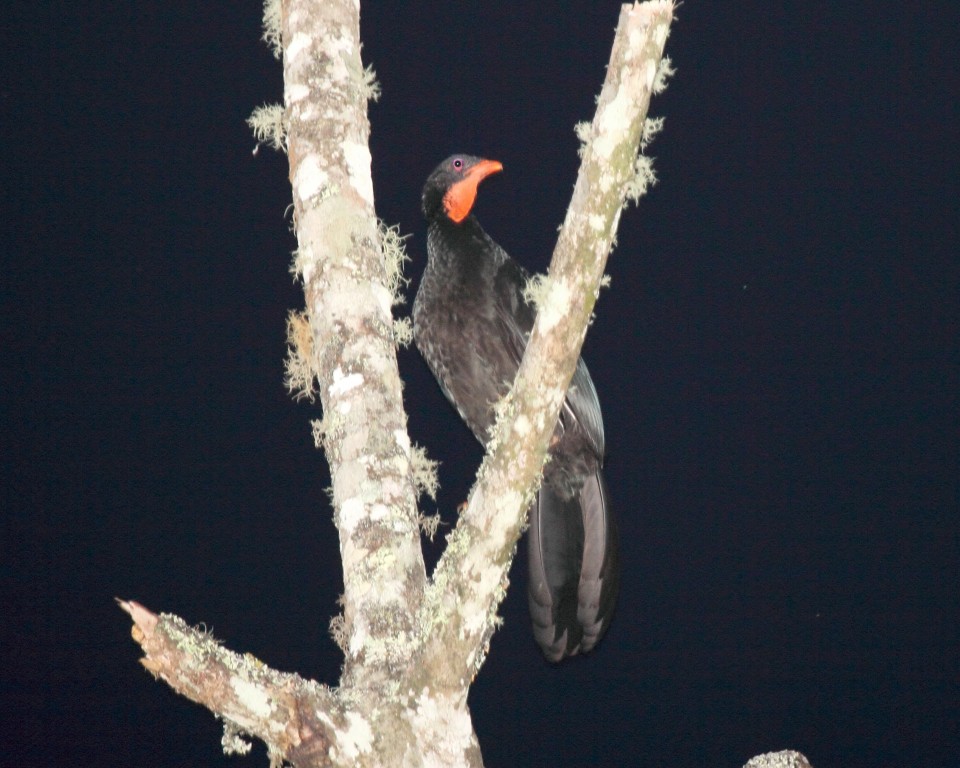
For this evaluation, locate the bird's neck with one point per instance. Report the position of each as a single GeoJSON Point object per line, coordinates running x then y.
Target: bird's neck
{"type": "Point", "coordinates": [459, 247]}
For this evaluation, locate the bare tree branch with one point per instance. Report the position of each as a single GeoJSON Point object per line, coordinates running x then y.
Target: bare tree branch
{"type": "Point", "coordinates": [353, 355]}
{"type": "Point", "coordinates": [471, 576]}
{"type": "Point", "coordinates": [412, 647]}
{"type": "Point", "coordinates": [277, 707]}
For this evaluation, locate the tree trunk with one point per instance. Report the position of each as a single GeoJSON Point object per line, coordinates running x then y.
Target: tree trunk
{"type": "Point", "coordinates": [412, 645]}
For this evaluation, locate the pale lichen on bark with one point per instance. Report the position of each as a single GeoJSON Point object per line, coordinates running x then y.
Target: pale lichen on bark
{"type": "Point", "coordinates": [350, 289]}
{"type": "Point", "coordinates": [786, 758]}
{"type": "Point", "coordinates": [412, 647]}
{"type": "Point", "coordinates": [494, 517]}
{"type": "Point", "coordinates": [253, 698]}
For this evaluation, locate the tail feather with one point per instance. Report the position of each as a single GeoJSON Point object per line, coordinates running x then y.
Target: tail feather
{"type": "Point", "coordinates": [574, 568]}
{"type": "Point", "coordinates": [600, 567]}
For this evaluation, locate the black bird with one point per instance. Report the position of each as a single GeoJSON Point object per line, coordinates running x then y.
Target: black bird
{"type": "Point", "coordinates": [471, 324]}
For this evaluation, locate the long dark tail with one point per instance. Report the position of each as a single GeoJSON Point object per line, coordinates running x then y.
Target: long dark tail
{"type": "Point", "coordinates": [574, 567]}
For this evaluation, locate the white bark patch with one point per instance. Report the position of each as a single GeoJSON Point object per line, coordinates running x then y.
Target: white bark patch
{"type": "Point", "coordinates": [596, 222]}
{"type": "Point", "coordinates": [358, 639]}
{"type": "Point", "coordinates": [351, 511]}
{"type": "Point", "coordinates": [555, 304]}
{"type": "Point", "coordinates": [296, 17]}
{"type": "Point", "coordinates": [356, 739]}
{"type": "Point", "coordinates": [651, 74]}
{"type": "Point", "coordinates": [614, 122]}
{"type": "Point", "coordinates": [324, 718]}
{"type": "Point", "coordinates": [358, 160]}
{"type": "Point", "coordinates": [343, 384]}
{"type": "Point", "coordinates": [606, 182]}
{"type": "Point", "coordinates": [295, 92]}
{"type": "Point", "coordinates": [446, 727]}
{"type": "Point", "coordinates": [403, 440]}
{"type": "Point", "coordinates": [310, 177]}
{"type": "Point", "coordinates": [635, 48]}
{"type": "Point", "coordinates": [304, 263]}
{"type": "Point", "coordinates": [522, 425]}
{"type": "Point", "coordinates": [380, 293]}
{"type": "Point", "coordinates": [298, 45]}
{"type": "Point", "coordinates": [252, 697]}
{"type": "Point", "coordinates": [660, 35]}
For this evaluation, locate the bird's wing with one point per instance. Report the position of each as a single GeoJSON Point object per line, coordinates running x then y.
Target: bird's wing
{"type": "Point", "coordinates": [583, 406]}
{"type": "Point", "coordinates": [514, 316]}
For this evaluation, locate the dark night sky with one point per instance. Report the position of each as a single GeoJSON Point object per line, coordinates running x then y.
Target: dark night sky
{"type": "Point", "coordinates": [777, 359]}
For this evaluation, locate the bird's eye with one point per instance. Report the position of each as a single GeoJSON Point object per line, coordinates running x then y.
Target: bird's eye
{"type": "Point", "coordinates": [458, 163]}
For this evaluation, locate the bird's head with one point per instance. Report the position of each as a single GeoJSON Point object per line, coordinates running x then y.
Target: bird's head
{"type": "Point", "coordinates": [452, 187]}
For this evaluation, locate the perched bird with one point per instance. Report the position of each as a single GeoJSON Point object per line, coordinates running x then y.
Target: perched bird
{"type": "Point", "coordinates": [471, 324]}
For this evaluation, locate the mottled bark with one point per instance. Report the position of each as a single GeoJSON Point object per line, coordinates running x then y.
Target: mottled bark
{"type": "Point", "coordinates": [475, 566]}
{"type": "Point", "coordinates": [412, 645]}
{"type": "Point", "coordinates": [253, 699]}
{"type": "Point", "coordinates": [785, 759]}
{"type": "Point", "coordinates": [348, 299]}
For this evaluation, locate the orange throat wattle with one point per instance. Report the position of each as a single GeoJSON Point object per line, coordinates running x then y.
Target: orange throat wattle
{"type": "Point", "coordinates": [460, 197]}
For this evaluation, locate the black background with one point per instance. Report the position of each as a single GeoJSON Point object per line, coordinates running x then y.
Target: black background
{"type": "Point", "coordinates": [777, 358]}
